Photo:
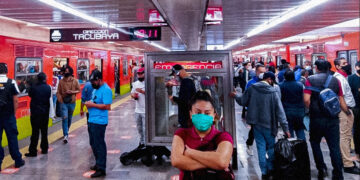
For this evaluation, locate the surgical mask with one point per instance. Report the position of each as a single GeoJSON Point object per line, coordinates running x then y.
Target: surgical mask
{"type": "Point", "coordinates": [141, 79]}
{"type": "Point", "coordinates": [347, 69]}
{"type": "Point", "coordinates": [261, 75]}
{"type": "Point", "coordinates": [67, 74]}
{"type": "Point", "coordinates": [358, 71]}
{"type": "Point", "coordinates": [308, 67]}
{"type": "Point", "coordinates": [202, 122]}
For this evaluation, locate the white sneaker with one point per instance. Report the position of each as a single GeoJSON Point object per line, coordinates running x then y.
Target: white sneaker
{"type": "Point", "coordinates": [249, 150]}
{"type": "Point", "coordinates": [65, 139]}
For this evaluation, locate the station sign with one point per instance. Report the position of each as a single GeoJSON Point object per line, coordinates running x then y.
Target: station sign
{"type": "Point", "coordinates": [214, 14]}
{"type": "Point", "coordinates": [105, 34]}
{"type": "Point", "coordinates": [190, 65]}
{"type": "Point", "coordinates": [155, 18]}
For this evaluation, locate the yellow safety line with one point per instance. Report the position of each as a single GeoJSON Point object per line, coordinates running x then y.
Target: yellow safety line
{"type": "Point", "coordinates": [58, 134]}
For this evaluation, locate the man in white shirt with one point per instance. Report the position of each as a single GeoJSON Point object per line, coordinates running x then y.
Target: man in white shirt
{"type": "Point", "coordinates": [8, 106]}
{"type": "Point", "coordinates": [346, 117]}
{"type": "Point", "coordinates": [138, 93]}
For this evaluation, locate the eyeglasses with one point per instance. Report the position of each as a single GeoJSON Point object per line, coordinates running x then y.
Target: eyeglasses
{"type": "Point", "coordinates": [140, 73]}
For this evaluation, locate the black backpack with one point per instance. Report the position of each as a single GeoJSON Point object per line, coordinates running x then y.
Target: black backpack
{"type": "Point", "coordinates": [4, 93]}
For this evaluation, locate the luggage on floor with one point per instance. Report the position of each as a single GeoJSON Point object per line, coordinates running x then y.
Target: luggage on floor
{"type": "Point", "coordinates": [291, 160]}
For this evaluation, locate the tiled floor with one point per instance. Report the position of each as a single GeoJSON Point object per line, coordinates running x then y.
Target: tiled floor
{"type": "Point", "coordinates": [70, 161]}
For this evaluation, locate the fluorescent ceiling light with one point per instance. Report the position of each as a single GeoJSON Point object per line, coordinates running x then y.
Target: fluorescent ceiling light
{"type": "Point", "coordinates": [279, 19]}
{"type": "Point", "coordinates": [234, 42]}
{"type": "Point", "coordinates": [82, 15]}
{"type": "Point", "coordinates": [157, 45]}
{"type": "Point", "coordinates": [77, 13]}
{"type": "Point", "coordinates": [351, 23]}
{"type": "Point", "coordinates": [284, 17]}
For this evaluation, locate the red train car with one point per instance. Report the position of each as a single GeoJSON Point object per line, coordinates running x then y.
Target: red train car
{"type": "Point", "coordinates": [346, 45]}
{"type": "Point", "coordinates": [26, 58]}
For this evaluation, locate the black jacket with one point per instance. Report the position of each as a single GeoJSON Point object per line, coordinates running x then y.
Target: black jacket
{"type": "Point", "coordinates": [187, 90]}
{"type": "Point", "coordinates": [40, 94]}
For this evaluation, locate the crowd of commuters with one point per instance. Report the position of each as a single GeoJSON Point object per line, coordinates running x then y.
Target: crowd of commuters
{"type": "Point", "coordinates": [283, 98]}
{"type": "Point", "coordinates": [299, 97]}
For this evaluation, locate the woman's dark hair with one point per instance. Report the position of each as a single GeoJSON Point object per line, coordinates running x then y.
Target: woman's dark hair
{"type": "Point", "coordinates": [271, 69]}
{"type": "Point", "coordinates": [289, 75]}
{"type": "Point", "coordinates": [41, 77]}
{"type": "Point", "coordinates": [71, 71]}
{"type": "Point", "coordinates": [201, 96]}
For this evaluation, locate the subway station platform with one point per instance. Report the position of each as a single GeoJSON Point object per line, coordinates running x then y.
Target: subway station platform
{"type": "Point", "coordinates": [72, 161]}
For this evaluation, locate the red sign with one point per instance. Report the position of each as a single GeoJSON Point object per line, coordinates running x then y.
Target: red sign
{"type": "Point", "coordinates": [214, 14]}
{"type": "Point", "coordinates": [155, 17]}
{"type": "Point", "coordinates": [189, 65]}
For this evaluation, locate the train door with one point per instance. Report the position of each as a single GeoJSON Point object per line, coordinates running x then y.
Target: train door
{"type": "Point", "coordinates": [99, 65]}
{"type": "Point", "coordinates": [353, 59]}
{"type": "Point", "coordinates": [117, 75]}
{"type": "Point", "coordinates": [299, 59]}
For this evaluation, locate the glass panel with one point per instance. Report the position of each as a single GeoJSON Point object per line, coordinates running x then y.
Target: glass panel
{"type": "Point", "coordinates": [60, 62]}
{"type": "Point", "coordinates": [83, 70]}
{"type": "Point", "coordinates": [166, 112]}
{"type": "Point", "coordinates": [353, 60]}
{"type": "Point", "coordinates": [26, 70]}
{"type": "Point", "coordinates": [125, 66]}
{"type": "Point", "coordinates": [98, 65]}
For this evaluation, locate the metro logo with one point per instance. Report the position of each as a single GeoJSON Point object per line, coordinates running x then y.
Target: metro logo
{"type": "Point", "coordinates": [190, 65]}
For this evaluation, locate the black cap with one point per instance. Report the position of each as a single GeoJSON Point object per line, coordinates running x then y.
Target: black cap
{"type": "Point", "coordinates": [175, 69]}
{"type": "Point", "coordinates": [95, 75]}
{"type": "Point", "coordinates": [269, 74]}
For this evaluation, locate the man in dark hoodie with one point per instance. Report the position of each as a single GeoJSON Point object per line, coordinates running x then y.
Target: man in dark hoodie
{"type": "Point", "coordinates": [187, 90]}
{"type": "Point", "coordinates": [40, 94]}
{"type": "Point", "coordinates": [263, 97]}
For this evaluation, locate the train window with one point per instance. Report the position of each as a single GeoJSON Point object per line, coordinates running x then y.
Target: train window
{"type": "Point", "coordinates": [278, 60]}
{"type": "Point", "coordinates": [60, 62]}
{"type": "Point", "coordinates": [125, 66]}
{"type": "Point", "coordinates": [353, 59]}
{"type": "Point", "coordinates": [83, 70]}
{"type": "Point", "coordinates": [26, 70]}
{"type": "Point", "coordinates": [99, 64]}
{"type": "Point", "coordinates": [342, 54]}
{"type": "Point", "coordinates": [299, 59]}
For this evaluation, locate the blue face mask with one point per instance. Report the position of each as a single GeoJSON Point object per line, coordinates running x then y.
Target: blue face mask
{"type": "Point", "coordinates": [202, 122]}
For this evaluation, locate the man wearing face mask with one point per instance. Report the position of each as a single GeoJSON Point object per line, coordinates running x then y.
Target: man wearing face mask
{"type": "Point", "coordinates": [343, 69]}
{"type": "Point", "coordinates": [187, 90]}
{"type": "Point", "coordinates": [138, 93]}
{"type": "Point", "coordinates": [354, 82]}
{"type": "Point", "coordinates": [98, 107]}
{"type": "Point", "coordinates": [264, 124]}
{"type": "Point", "coordinates": [66, 95]}
{"type": "Point", "coordinates": [260, 70]}
{"type": "Point", "coordinates": [307, 66]}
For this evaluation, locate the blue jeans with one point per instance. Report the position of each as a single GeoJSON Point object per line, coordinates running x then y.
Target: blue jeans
{"type": "Point", "coordinates": [8, 123]}
{"type": "Point", "coordinates": [295, 118]}
{"type": "Point", "coordinates": [265, 143]}
{"type": "Point", "coordinates": [328, 128]}
{"type": "Point", "coordinates": [54, 101]}
{"type": "Point", "coordinates": [67, 112]}
{"type": "Point", "coordinates": [98, 144]}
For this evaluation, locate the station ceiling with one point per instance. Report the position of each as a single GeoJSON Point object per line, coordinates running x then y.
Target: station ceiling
{"type": "Point", "coordinates": [185, 18]}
